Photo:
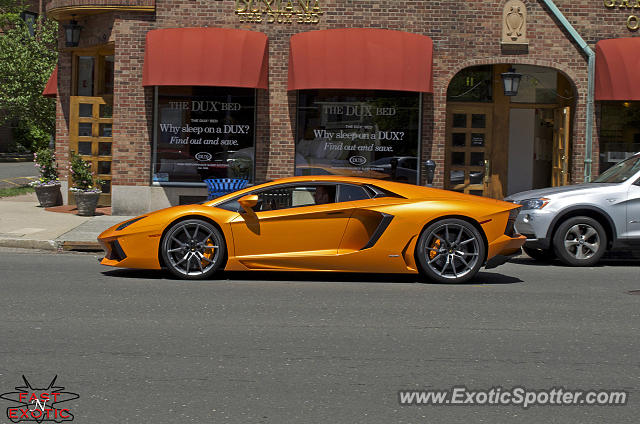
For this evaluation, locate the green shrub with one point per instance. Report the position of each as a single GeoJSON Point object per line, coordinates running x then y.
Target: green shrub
{"type": "Point", "coordinates": [45, 161]}
{"type": "Point", "coordinates": [81, 176]}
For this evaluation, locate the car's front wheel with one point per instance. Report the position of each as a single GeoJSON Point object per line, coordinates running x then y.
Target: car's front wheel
{"type": "Point", "coordinates": [450, 251]}
{"type": "Point", "coordinates": [193, 249]}
{"type": "Point", "coordinates": [580, 241]}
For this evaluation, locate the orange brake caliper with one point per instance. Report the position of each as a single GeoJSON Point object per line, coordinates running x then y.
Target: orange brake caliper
{"type": "Point", "coordinates": [435, 245]}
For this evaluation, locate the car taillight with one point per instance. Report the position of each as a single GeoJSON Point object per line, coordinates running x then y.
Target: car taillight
{"type": "Point", "coordinates": [511, 222]}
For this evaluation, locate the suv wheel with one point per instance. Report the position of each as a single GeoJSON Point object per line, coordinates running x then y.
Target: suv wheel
{"type": "Point", "coordinates": [580, 241]}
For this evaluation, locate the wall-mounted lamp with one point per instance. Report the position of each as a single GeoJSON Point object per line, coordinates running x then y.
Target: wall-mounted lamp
{"type": "Point", "coordinates": [72, 33]}
{"type": "Point", "coordinates": [511, 82]}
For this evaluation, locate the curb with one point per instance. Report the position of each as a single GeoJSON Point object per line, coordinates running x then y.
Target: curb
{"type": "Point", "coordinates": [85, 246]}
{"type": "Point", "coordinates": [30, 244]}
{"type": "Point", "coordinates": [57, 245]}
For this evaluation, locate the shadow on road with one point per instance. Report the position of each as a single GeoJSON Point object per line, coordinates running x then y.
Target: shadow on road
{"type": "Point", "coordinates": [147, 274]}
{"type": "Point", "coordinates": [330, 277]}
{"type": "Point", "coordinates": [606, 261]}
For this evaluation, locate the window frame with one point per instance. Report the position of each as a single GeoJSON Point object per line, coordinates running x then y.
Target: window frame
{"type": "Point", "coordinates": [372, 191]}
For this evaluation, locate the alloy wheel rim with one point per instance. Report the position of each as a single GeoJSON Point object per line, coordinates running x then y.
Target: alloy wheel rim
{"type": "Point", "coordinates": [193, 249]}
{"type": "Point", "coordinates": [582, 241]}
{"type": "Point", "coordinates": [452, 251]}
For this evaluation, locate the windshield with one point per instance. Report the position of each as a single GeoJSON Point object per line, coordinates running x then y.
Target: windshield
{"type": "Point", "coordinates": [621, 171]}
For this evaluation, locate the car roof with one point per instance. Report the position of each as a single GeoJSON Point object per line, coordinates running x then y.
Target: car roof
{"type": "Point", "coordinates": [403, 189]}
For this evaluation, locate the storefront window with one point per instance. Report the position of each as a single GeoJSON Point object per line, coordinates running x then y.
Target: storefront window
{"type": "Point", "coordinates": [358, 133]}
{"type": "Point", "coordinates": [619, 132]}
{"type": "Point", "coordinates": [204, 132]}
{"type": "Point", "coordinates": [472, 85]}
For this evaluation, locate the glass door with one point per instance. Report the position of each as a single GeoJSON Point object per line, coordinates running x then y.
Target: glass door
{"type": "Point", "coordinates": [468, 143]}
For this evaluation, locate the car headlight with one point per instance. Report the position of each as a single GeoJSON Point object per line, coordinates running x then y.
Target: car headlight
{"type": "Point", "coordinates": [534, 203]}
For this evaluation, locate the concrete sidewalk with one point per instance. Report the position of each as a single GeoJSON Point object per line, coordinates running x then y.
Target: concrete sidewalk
{"type": "Point", "coordinates": [24, 224]}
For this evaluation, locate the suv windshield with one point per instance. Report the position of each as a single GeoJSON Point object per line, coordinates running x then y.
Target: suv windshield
{"type": "Point", "coordinates": [621, 171]}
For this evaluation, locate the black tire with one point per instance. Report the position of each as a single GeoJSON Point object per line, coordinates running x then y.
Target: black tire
{"type": "Point", "coordinates": [450, 251]}
{"type": "Point", "coordinates": [542, 255]}
{"type": "Point", "coordinates": [580, 241]}
{"type": "Point", "coordinates": [193, 249]}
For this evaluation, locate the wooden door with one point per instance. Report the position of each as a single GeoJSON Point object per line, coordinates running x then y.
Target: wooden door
{"type": "Point", "coordinates": [468, 149]}
{"type": "Point", "coordinates": [91, 112]}
{"type": "Point", "coordinates": [560, 158]}
{"type": "Point", "coordinates": [90, 126]}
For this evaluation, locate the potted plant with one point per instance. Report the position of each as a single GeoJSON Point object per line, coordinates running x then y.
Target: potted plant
{"type": "Point", "coordinates": [85, 185]}
{"type": "Point", "coordinates": [47, 186]}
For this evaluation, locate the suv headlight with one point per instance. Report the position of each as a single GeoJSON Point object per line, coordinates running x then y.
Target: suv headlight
{"type": "Point", "coordinates": [534, 203]}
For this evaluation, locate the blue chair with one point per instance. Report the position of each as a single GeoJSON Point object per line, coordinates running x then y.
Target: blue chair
{"type": "Point", "coordinates": [220, 186]}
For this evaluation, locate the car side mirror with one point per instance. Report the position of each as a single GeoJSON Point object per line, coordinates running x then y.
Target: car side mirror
{"type": "Point", "coordinates": [248, 202]}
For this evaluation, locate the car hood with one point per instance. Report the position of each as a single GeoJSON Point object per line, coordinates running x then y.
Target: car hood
{"type": "Point", "coordinates": [566, 190]}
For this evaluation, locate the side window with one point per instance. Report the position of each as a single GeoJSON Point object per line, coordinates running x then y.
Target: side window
{"type": "Point", "coordinates": [295, 197]}
{"type": "Point", "coordinates": [376, 192]}
{"type": "Point", "coordinates": [348, 192]}
{"type": "Point", "coordinates": [230, 205]}
{"type": "Point", "coordinates": [276, 198]}
{"type": "Point", "coordinates": [324, 194]}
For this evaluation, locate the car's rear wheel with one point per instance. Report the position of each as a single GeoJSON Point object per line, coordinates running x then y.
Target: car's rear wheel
{"type": "Point", "coordinates": [542, 255]}
{"type": "Point", "coordinates": [450, 251]}
{"type": "Point", "coordinates": [580, 241]}
{"type": "Point", "coordinates": [193, 249]}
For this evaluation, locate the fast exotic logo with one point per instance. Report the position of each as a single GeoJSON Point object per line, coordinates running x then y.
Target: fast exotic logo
{"type": "Point", "coordinates": [39, 404]}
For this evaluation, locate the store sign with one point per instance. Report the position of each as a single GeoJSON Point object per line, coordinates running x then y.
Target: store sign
{"type": "Point", "coordinates": [358, 133]}
{"type": "Point", "coordinates": [279, 11]}
{"type": "Point", "coordinates": [204, 132]}
{"type": "Point", "coordinates": [633, 21]}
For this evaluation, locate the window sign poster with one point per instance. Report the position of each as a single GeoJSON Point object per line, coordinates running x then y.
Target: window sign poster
{"type": "Point", "coordinates": [358, 133]}
{"type": "Point", "coordinates": [204, 132]}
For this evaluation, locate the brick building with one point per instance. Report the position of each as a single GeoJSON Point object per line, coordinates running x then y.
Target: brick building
{"type": "Point", "coordinates": [163, 94]}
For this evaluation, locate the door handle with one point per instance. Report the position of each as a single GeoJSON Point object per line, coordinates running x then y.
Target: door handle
{"type": "Point", "coordinates": [487, 169]}
{"type": "Point", "coordinates": [335, 213]}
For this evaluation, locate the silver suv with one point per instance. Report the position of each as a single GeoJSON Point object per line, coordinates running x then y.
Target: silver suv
{"type": "Point", "coordinates": [579, 223]}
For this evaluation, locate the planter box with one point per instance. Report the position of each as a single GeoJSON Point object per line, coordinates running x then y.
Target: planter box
{"type": "Point", "coordinates": [86, 202]}
{"type": "Point", "coordinates": [49, 195]}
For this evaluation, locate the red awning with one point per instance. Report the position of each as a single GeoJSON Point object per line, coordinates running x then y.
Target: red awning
{"type": "Point", "coordinates": [361, 58]}
{"type": "Point", "coordinates": [51, 89]}
{"type": "Point", "coordinates": [206, 57]}
{"type": "Point", "coordinates": [617, 63]}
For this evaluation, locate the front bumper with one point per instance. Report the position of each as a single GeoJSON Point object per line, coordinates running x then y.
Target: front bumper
{"type": "Point", "coordinates": [137, 249]}
{"type": "Point", "coordinates": [534, 225]}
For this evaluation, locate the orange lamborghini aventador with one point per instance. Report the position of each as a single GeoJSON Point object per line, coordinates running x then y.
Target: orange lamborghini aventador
{"type": "Point", "coordinates": [322, 223]}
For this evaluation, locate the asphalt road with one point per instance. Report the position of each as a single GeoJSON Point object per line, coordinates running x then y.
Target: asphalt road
{"type": "Point", "coordinates": [313, 348]}
{"type": "Point", "coordinates": [13, 174]}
